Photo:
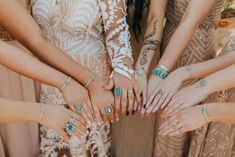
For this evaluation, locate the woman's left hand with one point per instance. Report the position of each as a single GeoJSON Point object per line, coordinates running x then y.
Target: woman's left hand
{"type": "Point", "coordinates": [186, 120]}
{"type": "Point", "coordinates": [187, 97]}
{"type": "Point", "coordinates": [126, 94]}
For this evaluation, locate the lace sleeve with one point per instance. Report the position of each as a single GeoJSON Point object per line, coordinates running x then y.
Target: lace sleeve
{"type": "Point", "coordinates": [117, 36]}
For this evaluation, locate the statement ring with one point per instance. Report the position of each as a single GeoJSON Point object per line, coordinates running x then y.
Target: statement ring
{"type": "Point", "coordinates": [70, 126]}
{"type": "Point", "coordinates": [117, 91]}
{"type": "Point", "coordinates": [108, 110]}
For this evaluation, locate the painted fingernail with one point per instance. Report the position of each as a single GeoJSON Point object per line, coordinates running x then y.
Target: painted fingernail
{"type": "Point", "coordinates": [145, 106]}
{"type": "Point", "coordinates": [133, 112]}
{"type": "Point", "coordinates": [127, 113]}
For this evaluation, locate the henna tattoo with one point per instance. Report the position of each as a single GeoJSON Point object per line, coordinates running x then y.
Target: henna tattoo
{"type": "Point", "coordinates": [151, 45]}
{"type": "Point", "coordinates": [202, 85]}
{"type": "Point", "coordinates": [189, 71]}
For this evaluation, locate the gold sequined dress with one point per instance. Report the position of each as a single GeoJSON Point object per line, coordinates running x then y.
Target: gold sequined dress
{"type": "Point", "coordinates": [202, 47]}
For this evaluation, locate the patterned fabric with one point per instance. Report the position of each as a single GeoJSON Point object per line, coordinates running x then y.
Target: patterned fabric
{"type": "Point", "coordinates": [216, 139]}
{"type": "Point", "coordinates": [86, 30]}
{"type": "Point", "coordinates": [201, 48]}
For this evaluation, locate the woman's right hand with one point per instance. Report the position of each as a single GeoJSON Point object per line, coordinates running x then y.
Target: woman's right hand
{"type": "Point", "coordinates": [56, 117]}
{"type": "Point", "coordinates": [142, 83]}
{"type": "Point", "coordinates": [77, 96]}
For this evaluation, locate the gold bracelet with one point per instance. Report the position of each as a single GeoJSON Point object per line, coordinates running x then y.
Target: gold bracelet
{"type": "Point", "coordinates": [42, 111]}
{"type": "Point", "coordinates": [66, 83]}
{"type": "Point", "coordinates": [92, 78]}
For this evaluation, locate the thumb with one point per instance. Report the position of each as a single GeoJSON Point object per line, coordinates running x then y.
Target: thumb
{"type": "Point", "coordinates": [109, 86]}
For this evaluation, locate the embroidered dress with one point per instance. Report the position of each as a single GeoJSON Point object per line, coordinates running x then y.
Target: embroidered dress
{"type": "Point", "coordinates": [95, 34]}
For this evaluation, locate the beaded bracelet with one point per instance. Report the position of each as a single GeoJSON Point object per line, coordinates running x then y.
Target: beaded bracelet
{"type": "Point", "coordinates": [42, 111]}
{"type": "Point", "coordinates": [92, 78]}
{"type": "Point", "coordinates": [204, 112]}
{"type": "Point", "coordinates": [66, 83]}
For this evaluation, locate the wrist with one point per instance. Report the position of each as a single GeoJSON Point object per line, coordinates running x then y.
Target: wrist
{"type": "Point", "coordinates": [213, 111]}
{"type": "Point", "coordinates": [60, 80]}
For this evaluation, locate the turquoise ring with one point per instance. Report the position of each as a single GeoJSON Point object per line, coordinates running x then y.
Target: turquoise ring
{"type": "Point", "coordinates": [117, 91]}
{"type": "Point", "coordinates": [79, 107]}
{"type": "Point", "coordinates": [108, 110]}
{"type": "Point", "coordinates": [70, 127]}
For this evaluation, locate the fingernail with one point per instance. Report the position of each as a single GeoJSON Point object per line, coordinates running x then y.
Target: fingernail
{"type": "Point", "coordinates": [127, 113]}
{"type": "Point", "coordinates": [145, 106]}
{"type": "Point", "coordinates": [133, 112]}
{"type": "Point", "coordinates": [117, 119]}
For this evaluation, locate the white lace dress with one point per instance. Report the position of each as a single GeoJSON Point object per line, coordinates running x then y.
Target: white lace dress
{"type": "Point", "coordinates": [94, 33]}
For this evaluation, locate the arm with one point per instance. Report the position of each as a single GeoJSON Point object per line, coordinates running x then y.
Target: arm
{"type": "Point", "coordinates": [53, 117]}
{"type": "Point", "coordinates": [26, 31]}
{"type": "Point", "coordinates": [120, 52]}
{"type": "Point", "coordinates": [153, 34]}
{"type": "Point", "coordinates": [196, 12]}
{"type": "Point", "coordinates": [29, 66]}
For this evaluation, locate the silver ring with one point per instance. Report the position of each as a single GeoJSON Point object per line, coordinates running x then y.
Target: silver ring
{"type": "Point", "coordinates": [130, 91]}
{"type": "Point", "coordinates": [108, 110]}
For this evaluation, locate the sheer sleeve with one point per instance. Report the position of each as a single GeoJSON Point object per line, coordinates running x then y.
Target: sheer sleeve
{"type": "Point", "coordinates": [117, 36]}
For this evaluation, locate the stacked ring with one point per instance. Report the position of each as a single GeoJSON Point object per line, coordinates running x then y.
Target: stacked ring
{"type": "Point", "coordinates": [130, 91]}
{"type": "Point", "coordinates": [70, 126]}
{"type": "Point", "coordinates": [108, 110]}
{"type": "Point", "coordinates": [117, 91]}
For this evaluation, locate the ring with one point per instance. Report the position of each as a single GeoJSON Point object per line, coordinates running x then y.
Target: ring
{"type": "Point", "coordinates": [70, 127]}
{"type": "Point", "coordinates": [108, 110]}
{"type": "Point", "coordinates": [160, 92]}
{"type": "Point", "coordinates": [79, 107]}
{"type": "Point", "coordinates": [117, 91]}
{"type": "Point", "coordinates": [130, 91]}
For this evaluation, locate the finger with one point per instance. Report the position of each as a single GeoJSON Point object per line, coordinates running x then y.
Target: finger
{"type": "Point", "coordinates": [172, 127]}
{"type": "Point", "coordinates": [172, 108]}
{"type": "Point", "coordinates": [111, 113]}
{"type": "Point", "coordinates": [144, 97]}
{"type": "Point", "coordinates": [151, 97]}
{"type": "Point", "coordinates": [110, 85]}
{"type": "Point", "coordinates": [86, 113]}
{"type": "Point", "coordinates": [124, 102]}
{"type": "Point", "coordinates": [98, 115]}
{"type": "Point", "coordinates": [91, 110]}
{"type": "Point", "coordinates": [137, 94]}
{"type": "Point", "coordinates": [156, 104]}
{"type": "Point", "coordinates": [167, 100]}
{"type": "Point", "coordinates": [135, 107]}
{"type": "Point", "coordinates": [63, 135]}
{"type": "Point", "coordinates": [130, 102]}
{"type": "Point", "coordinates": [117, 107]}
{"type": "Point", "coordinates": [178, 109]}
{"type": "Point", "coordinates": [163, 98]}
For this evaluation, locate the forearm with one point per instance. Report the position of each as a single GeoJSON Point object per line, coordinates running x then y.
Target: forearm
{"type": "Point", "coordinates": [204, 69]}
{"type": "Point", "coordinates": [29, 66]}
{"type": "Point", "coordinates": [221, 112]}
{"type": "Point", "coordinates": [151, 42]}
{"type": "Point", "coordinates": [221, 80]}
{"type": "Point", "coordinates": [178, 43]}
{"type": "Point", "coordinates": [14, 111]}
{"type": "Point", "coordinates": [27, 31]}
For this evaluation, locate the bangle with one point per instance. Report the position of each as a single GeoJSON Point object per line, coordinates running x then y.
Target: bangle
{"type": "Point", "coordinates": [162, 67]}
{"type": "Point", "coordinates": [140, 71]}
{"type": "Point", "coordinates": [42, 111]}
{"type": "Point", "coordinates": [66, 83]}
{"type": "Point", "coordinates": [160, 72]}
{"type": "Point", "coordinates": [92, 78]}
{"type": "Point", "coordinates": [204, 112]}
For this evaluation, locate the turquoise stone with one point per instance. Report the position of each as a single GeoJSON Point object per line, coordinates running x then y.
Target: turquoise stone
{"type": "Point", "coordinates": [79, 107]}
{"type": "Point", "coordinates": [70, 127]}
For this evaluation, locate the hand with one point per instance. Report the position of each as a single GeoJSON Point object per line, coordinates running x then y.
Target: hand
{"type": "Point", "coordinates": [101, 99]}
{"type": "Point", "coordinates": [125, 103]}
{"type": "Point", "coordinates": [187, 97]}
{"type": "Point", "coordinates": [56, 117]}
{"type": "Point", "coordinates": [152, 89]}
{"type": "Point", "coordinates": [142, 83]}
{"type": "Point", "coordinates": [77, 96]}
{"type": "Point", "coordinates": [186, 120]}
{"type": "Point", "coordinates": [168, 87]}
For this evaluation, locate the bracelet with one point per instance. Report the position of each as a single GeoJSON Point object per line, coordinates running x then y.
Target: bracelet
{"type": "Point", "coordinates": [162, 67]}
{"type": "Point", "coordinates": [160, 73]}
{"type": "Point", "coordinates": [123, 70]}
{"type": "Point", "coordinates": [42, 111]}
{"type": "Point", "coordinates": [140, 71]}
{"type": "Point", "coordinates": [204, 112]}
{"type": "Point", "coordinates": [66, 83]}
{"type": "Point", "coordinates": [92, 78]}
